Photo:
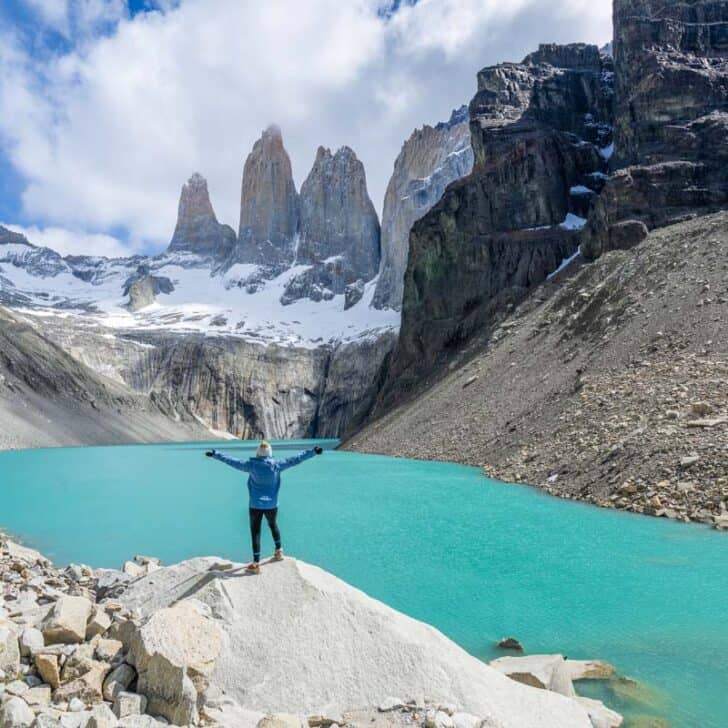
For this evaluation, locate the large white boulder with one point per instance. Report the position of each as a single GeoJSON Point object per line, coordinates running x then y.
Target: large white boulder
{"type": "Point", "coordinates": [66, 621]}
{"type": "Point", "coordinates": [174, 654]}
{"type": "Point", "coordinates": [299, 640]}
{"type": "Point", "coordinates": [9, 649]}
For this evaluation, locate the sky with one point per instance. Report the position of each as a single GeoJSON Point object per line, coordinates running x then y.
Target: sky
{"type": "Point", "coordinates": [108, 106]}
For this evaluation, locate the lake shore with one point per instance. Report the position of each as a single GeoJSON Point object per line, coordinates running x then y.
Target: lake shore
{"type": "Point", "coordinates": [151, 645]}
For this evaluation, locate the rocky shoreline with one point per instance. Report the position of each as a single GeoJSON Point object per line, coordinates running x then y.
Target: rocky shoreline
{"type": "Point", "coordinates": [193, 644]}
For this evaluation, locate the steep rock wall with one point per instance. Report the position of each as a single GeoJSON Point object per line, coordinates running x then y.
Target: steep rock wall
{"type": "Point", "coordinates": [429, 161]}
{"type": "Point", "coordinates": [536, 132]}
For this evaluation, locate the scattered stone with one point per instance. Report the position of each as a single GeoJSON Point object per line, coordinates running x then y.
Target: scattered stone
{"type": "Point", "coordinates": [470, 380]}
{"type": "Point", "coordinates": [66, 622]}
{"type": "Point", "coordinates": [38, 696]}
{"type": "Point", "coordinates": [9, 650]}
{"type": "Point", "coordinates": [98, 624]}
{"type": "Point", "coordinates": [47, 666]}
{"type": "Point", "coordinates": [510, 643]}
{"type": "Point", "coordinates": [109, 650]}
{"type": "Point", "coordinates": [689, 461]}
{"type": "Point", "coordinates": [129, 704]}
{"type": "Point", "coordinates": [101, 717]}
{"type": "Point", "coordinates": [701, 408]}
{"type": "Point", "coordinates": [17, 687]}
{"type": "Point", "coordinates": [118, 680]}
{"type": "Point", "coordinates": [31, 640]}
{"type": "Point", "coordinates": [281, 720]}
{"type": "Point", "coordinates": [76, 705]}
{"type": "Point", "coordinates": [390, 704]}
{"type": "Point", "coordinates": [15, 713]}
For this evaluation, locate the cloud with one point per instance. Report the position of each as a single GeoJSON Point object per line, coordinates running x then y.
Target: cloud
{"type": "Point", "coordinates": [68, 242]}
{"type": "Point", "coordinates": [106, 133]}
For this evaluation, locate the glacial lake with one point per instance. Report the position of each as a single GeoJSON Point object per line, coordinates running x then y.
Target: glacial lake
{"type": "Point", "coordinates": [476, 558]}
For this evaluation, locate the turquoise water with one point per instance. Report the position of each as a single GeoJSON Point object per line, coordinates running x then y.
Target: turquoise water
{"type": "Point", "coordinates": [477, 558]}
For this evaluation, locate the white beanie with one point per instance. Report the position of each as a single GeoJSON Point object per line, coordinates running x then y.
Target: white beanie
{"type": "Point", "coordinates": [264, 450]}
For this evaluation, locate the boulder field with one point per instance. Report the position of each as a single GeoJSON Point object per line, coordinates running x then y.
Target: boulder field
{"type": "Point", "coordinates": [202, 643]}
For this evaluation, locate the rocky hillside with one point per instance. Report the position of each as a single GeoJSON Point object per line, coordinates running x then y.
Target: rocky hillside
{"type": "Point", "coordinates": [609, 384]}
{"type": "Point", "coordinates": [49, 398]}
{"type": "Point", "coordinates": [201, 643]}
{"type": "Point", "coordinates": [432, 158]}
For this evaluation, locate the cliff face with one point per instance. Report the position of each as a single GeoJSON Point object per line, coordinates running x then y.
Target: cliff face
{"type": "Point", "coordinates": [268, 204]}
{"type": "Point", "coordinates": [197, 229]}
{"type": "Point", "coordinates": [430, 159]}
{"type": "Point", "coordinates": [50, 398]}
{"type": "Point", "coordinates": [232, 385]}
{"type": "Point", "coordinates": [536, 131]}
{"type": "Point", "coordinates": [671, 121]}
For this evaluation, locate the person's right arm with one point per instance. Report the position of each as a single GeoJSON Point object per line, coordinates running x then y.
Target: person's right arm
{"type": "Point", "coordinates": [232, 462]}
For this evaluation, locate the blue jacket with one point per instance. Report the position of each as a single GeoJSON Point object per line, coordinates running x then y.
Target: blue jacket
{"type": "Point", "coordinates": [264, 480]}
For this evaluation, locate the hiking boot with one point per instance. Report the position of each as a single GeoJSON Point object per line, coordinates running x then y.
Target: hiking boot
{"type": "Point", "coordinates": [278, 555]}
{"type": "Point", "coordinates": [253, 568]}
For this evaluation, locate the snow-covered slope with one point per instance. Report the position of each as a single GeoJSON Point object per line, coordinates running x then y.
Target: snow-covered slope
{"type": "Point", "coordinates": [238, 302]}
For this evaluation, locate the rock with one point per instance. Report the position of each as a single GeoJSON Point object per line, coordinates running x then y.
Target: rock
{"type": "Point", "coordinates": [9, 650]}
{"type": "Point", "coordinates": [590, 670]}
{"type": "Point", "coordinates": [438, 719]}
{"type": "Point", "coordinates": [268, 204]}
{"type": "Point", "coordinates": [174, 652]}
{"type": "Point", "coordinates": [31, 640]}
{"type": "Point", "coordinates": [143, 291]}
{"type": "Point", "coordinates": [66, 621]}
{"type": "Point", "coordinates": [510, 643]}
{"type": "Point", "coordinates": [197, 230]}
{"type": "Point", "coordinates": [282, 720]}
{"type": "Point", "coordinates": [98, 624]}
{"type": "Point", "coordinates": [337, 218]}
{"type": "Point", "coordinates": [140, 721]}
{"type": "Point", "coordinates": [38, 696]}
{"type": "Point", "coordinates": [408, 658]}
{"type": "Point", "coordinates": [108, 650]}
{"type": "Point", "coordinates": [109, 582]}
{"type": "Point", "coordinates": [129, 704]}
{"type": "Point", "coordinates": [76, 705]}
{"type": "Point", "coordinates": [548, 672]}
{"type": "Point", "coordinates": [32, 681]}
{"type": "Point", "coordinates": [47, 666]}
{"type": "Point", "coordinates": [118, 680]}
{"type": "Point", "coordinates": [701, 408]}
{"type": "Point", "coordinates": [88, 687]}
{"type": "Point", "coordinates": [15, 713]}
{"type": "Point", "coordinates": [689, 461]}
{"type": "Point", "coordinates": [50, 719]}
{"type": "Point", "coordinates": [101, 717]}
{"type": "Point", "coordinates": [134, 570]}
{"type": "Point", "coordinates": [17, 687]}
{"type": "Point", "coordinates": [390, 704]}
{"type": "Point", "coordinates": [353, 294]}
{"type": "Point", "coordinates": [429, 161]}
{"type": "Point", "coordinates": [600, 715]}
{"type": "Point", "coordinates": [465, 720]}
{"type": "Point", "coordinates": [75, 719]}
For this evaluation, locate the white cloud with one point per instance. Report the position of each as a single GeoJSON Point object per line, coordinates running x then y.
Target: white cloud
{"type": "Point", "coordinates": [68, 242]}
{"type": "Point", "coordinates": [106, 135]}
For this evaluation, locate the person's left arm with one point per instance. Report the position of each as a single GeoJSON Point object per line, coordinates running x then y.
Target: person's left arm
{"type": "Point", "coordinates": [298, 459]}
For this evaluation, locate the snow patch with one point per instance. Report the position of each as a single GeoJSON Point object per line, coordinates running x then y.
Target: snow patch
{"type": "Point", "coordinates": [573, 222]}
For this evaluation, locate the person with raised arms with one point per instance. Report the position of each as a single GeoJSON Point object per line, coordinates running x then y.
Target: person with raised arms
{"type": "Point", "coordinates": [264, 483]}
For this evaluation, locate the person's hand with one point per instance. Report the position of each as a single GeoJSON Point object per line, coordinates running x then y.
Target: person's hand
{"type": "Point", "coordinates": [210, 453]}
{"type": "Point", "coordinates": [318, 450]}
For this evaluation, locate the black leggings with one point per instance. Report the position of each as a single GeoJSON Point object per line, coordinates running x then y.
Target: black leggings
{"type": "Point", "coordinates": [256, 519]}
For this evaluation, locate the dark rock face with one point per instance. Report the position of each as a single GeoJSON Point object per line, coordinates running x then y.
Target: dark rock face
{"type": "Point", "coordinates": [337, 216]}
{"type": "Point", "coordinates": [198, 230]}
{"type": "Point", "coordinates": [536, 131]}
{"type": "Point", "coordinates": [268, 204]}
{"type": "Point", "coordinates": [429, 161]}
{"type": "Point", "coordinates": [671, 116]}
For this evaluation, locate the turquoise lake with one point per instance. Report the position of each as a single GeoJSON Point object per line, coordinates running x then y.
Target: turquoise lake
{"type": "Point", "coordinates": [478, 559]}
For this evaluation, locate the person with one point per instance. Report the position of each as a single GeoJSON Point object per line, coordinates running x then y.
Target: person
{"type": "Point", "coordinates": [264, 482]}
